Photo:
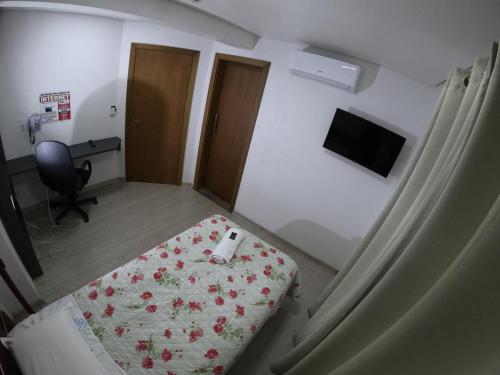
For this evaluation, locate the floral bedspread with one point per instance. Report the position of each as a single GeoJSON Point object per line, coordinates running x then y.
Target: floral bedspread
{"type": "Point", "coordinates": [173, 311]}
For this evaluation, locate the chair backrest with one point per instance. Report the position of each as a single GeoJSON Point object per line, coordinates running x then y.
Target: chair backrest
{"type": "Point", "coordinates": [55, 166]}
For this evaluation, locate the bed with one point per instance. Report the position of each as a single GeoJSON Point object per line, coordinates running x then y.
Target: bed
{"type": "Point", "coordinates": [174, 311]}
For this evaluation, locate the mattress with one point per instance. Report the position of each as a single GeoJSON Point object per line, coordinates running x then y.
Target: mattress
{"type": "Point", "coordinates": [173, 311]}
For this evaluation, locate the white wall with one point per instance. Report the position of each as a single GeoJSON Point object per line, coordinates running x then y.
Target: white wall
{"type": "Point", "coordinates": [295, 188]}
{"type": "Point", "coordinates": [291, 185]}
{"type": "Point", "coordinates": [48, 52]}
{"type": "Point", "coordinates": [173, 13]}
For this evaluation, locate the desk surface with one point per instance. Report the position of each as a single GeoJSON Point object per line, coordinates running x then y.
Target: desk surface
{"type": "Point", "coordinates": [80, 150]}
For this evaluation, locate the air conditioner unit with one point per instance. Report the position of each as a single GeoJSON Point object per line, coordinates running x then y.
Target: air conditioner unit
{"type": "Point", "coordinates": [325, 69]}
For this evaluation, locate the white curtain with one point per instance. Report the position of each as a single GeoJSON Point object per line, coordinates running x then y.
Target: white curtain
{"type": "Point", "coordinates": [436, 209]}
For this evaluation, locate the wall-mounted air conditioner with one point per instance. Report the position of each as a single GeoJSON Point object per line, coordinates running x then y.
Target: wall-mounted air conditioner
{"type": "Point", "coordinates": [325, 69]}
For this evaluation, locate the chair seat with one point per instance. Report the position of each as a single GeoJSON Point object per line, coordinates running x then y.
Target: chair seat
{"type": "Point", "coordinates": [57, 171]}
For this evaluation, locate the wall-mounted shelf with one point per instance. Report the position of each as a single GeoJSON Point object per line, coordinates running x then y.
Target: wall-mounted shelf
{"type": "Point", "coordinates": [80, 150]}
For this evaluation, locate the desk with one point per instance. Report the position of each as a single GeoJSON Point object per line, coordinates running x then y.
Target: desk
{"type": "Point", "coordinates": [28, 163]}
{"type": "Point", "coordinates": [10, 212]}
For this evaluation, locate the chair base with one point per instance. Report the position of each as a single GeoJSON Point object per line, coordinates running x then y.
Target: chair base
{"type": "Point", "coordinates": [72, 204]}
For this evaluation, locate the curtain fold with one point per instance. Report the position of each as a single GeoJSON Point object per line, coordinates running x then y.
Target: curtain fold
{"type": "Point", "coordinates": [377, 227]}
{"type": "Point", "coordinates": [437, 207]}
{"type": "Point", "coordinates": [392, 225]}
{"type": "Point", "coordinates": [455, 327]}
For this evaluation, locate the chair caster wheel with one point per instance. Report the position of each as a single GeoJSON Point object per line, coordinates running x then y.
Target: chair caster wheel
{"type": "Point", "coordinates": [58, 222]}
{"type": "Point", "coordinates": [86, 220]}
{"type": "Point", "coordinates": [94, 201]}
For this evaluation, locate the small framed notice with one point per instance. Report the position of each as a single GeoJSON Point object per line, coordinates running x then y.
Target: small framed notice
{"type": "Point", "coordinates": [55, 106]}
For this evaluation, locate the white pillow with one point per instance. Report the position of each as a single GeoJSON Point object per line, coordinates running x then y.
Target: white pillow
{"type": "Point", "coordinates": [54, 347]}
{"type": "Point", "coordinates": [80, 324]}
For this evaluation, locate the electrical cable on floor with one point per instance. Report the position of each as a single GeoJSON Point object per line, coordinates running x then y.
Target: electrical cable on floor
{"type": "Point", "coordinates": [43, 239]}
{"type": "Point", "coordinates": [48, 207]}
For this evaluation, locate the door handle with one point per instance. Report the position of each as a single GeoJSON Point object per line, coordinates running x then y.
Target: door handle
{"type": "Point", "coordinates": [134, 122]}
{"type": "Point", "coordinates": [216, 122]}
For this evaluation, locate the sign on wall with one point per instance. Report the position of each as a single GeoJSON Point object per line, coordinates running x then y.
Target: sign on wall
{"type": "Point", "coordinates": [55, 106]}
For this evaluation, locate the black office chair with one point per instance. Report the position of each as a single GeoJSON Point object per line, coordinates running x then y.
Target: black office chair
{"type": "Point", "coordinates": [58, 172]}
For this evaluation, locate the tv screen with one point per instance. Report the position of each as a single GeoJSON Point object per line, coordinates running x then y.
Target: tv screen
{"type": "Point", "coordinates": [364, 142]}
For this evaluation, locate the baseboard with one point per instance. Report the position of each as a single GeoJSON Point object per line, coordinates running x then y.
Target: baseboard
{"type": "Point", "coordinates": [116, 180]}
{"type": "Point", "coordinates": [208, 194]}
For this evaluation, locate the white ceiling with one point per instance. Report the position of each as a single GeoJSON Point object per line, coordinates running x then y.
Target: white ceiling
{"type": "Point", "coordinates": [170, 12]}
{"type": "Point", "coordinates": [422, 39]}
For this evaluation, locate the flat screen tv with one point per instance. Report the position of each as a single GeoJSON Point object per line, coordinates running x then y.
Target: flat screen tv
{"type": "Point", "coordinates": [364, 142]}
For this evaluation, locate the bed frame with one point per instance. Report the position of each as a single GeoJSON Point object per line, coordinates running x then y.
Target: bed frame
{"type": "Point", "coordinates": [8, 365]}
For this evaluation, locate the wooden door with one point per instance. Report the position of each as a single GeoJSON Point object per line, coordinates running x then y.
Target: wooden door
{"type": "Point", "coordinates": [159, 92]}
{"type": "Point", "coordinates": [234, 99]}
